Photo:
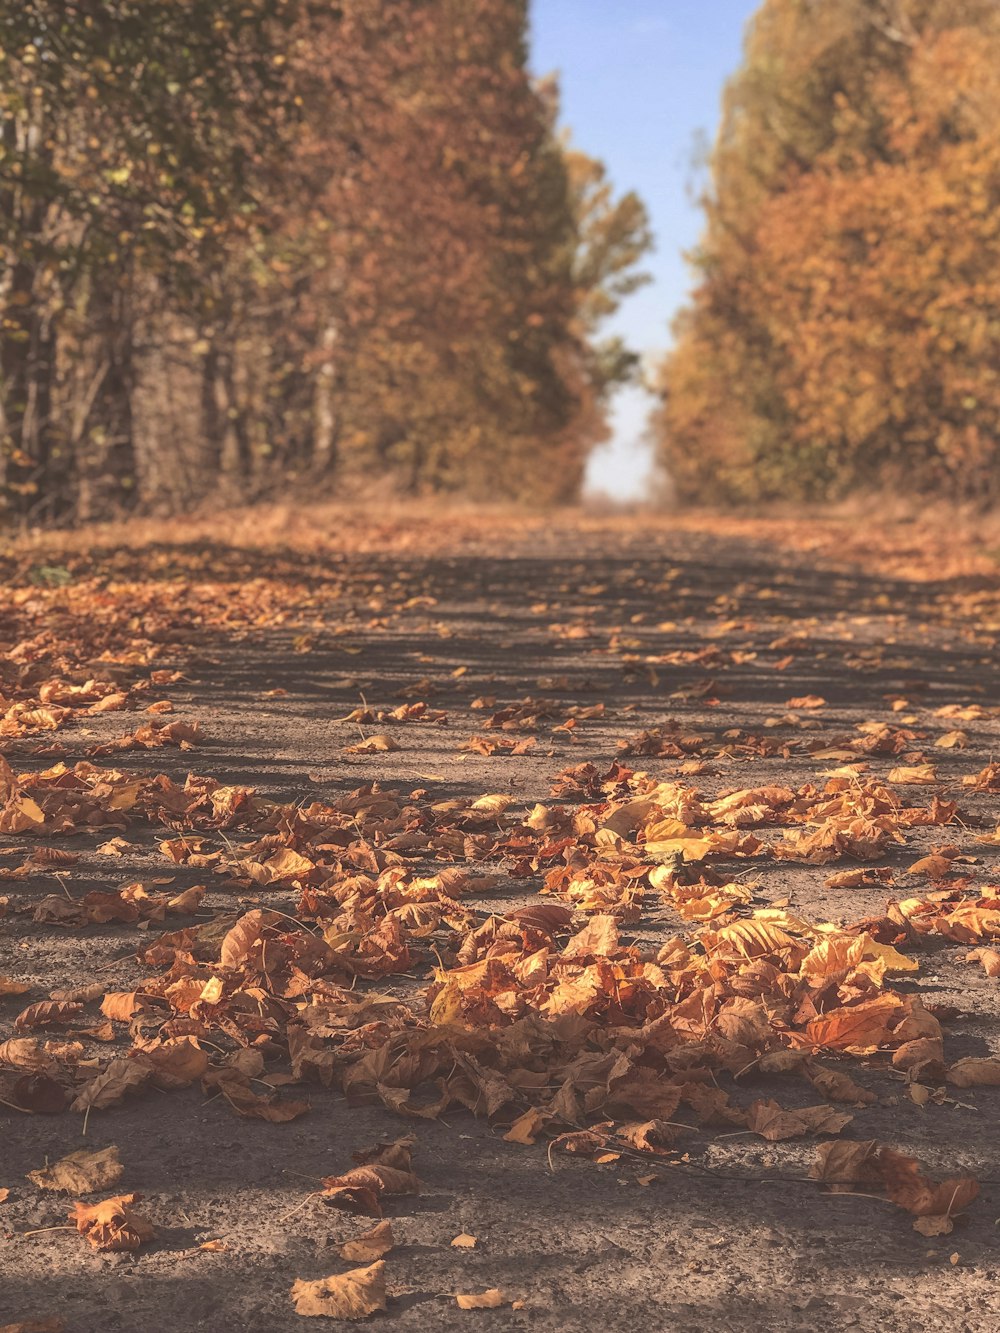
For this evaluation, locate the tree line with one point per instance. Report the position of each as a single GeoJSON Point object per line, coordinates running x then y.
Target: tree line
{"type": "Point", "coordinates": [844, 332]}
{"type": "Point", "coordinates": [247, 244]}
{"type": "Point", "coordinates": [251, 243]}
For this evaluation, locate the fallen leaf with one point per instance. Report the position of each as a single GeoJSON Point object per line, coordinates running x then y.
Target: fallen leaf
{"type": "Point", "coordinates": [81, 1172]}
{"type": "Point", "coordinates": [527, 1127]}
{"type": "Point", "coordinates": [112, 1224]}
{"type": "Point", "coordinates": [771, 1122]}
{"type": "Point", "coordinates": [484, 1300]}
{"type": "Point", "coordinates": [975, 1073]}
{"type": "Point", "coordinates": [372, 1245]}
{"type": "Point", "coordinates": [353, 1295]}
{"type": "Point", "coordinates": [378, 744]}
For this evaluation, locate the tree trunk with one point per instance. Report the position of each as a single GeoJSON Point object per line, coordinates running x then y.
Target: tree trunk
{"type": "Point", "coordinates": [324, 415]}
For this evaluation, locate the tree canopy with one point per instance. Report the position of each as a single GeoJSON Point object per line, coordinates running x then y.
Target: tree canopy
{"type": "Point", "coordinates": [252, 240]}
{"type": "Point", "coordinates": [844, 330]}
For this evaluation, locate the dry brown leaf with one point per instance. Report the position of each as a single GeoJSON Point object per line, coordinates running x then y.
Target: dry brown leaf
{"type": "Point", "coordinates": [112, 1224]}
{"type": "Point", "coordinates": [775, 1124]}
{"type": "Point", "coordinates": [909, 1189]}
{"type": "Point", "coordinates": [362, 1188]}
{"type": "Point", "coordinates": [353, 1295]}
{"type": "Point", "coordinates": [527, 1127]}
{"type": "Point", "coordinates": [838, 1086]}
{"type": "Point", "coordinates": [235, 1088]}
{"type": "Point", "coordinates": [375, 745]}
{"type": "Point", "coordinates": [49, 1013]}
{"type": "Point", "coordinates": [177, 1063]}
{"type": "Point", "coordinates": [81, 1172]}
{"type": "Point", "coordinates": [484, 1300]}
{"type": "Point", "coordinates": [913, 775]}
{"type": "Point", "coordinates": [372, 1245]}
{"type": "Point", "coordinates": [464, 1241]}
{"type": "Point", "coordinates": [121, 1077]}
{"type": "Point", "coordinates": [842, 1166]}
{"type": "Point", "coordinates": [858, 1028]}
{"type": "Point", "coordinates": [121, 1006]}
{"type": "Point", "coordinates": [975, 1073]}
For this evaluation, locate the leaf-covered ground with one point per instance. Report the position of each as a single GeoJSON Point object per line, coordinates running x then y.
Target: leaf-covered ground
{"type": "Point", "coordinates": [548, 922]}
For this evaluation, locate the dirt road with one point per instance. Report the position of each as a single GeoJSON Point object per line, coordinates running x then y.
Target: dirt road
{"type": "Point", "coordinates": [747, 664]}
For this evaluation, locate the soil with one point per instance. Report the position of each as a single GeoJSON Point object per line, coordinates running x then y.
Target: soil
{"type": "Point", "coordinates": [730, 1236]}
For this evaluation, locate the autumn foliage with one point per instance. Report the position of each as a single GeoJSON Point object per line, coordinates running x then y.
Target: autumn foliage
{"type": "Point", "coordinates": [312, 241]}
{"type": "Point", "coordinates": [843, 332]}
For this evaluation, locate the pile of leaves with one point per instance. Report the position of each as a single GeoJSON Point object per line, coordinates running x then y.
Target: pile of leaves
{"type": "Point", "coordinates": [540, 1015]}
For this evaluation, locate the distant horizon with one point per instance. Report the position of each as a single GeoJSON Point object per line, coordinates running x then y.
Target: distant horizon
{"type": "Point", "coordinates": [641, 85]}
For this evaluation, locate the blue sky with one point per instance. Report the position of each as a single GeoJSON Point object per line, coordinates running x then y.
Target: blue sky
{"type": "Point", "coordinates": [641, 79]}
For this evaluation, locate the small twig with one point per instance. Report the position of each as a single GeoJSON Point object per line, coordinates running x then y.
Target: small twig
{"type": "Point", "coordinates": [302, 1203]}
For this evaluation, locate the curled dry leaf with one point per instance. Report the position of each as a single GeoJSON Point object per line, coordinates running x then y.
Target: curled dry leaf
{"type": "Point", "coordinates": [113, 1085]}
{"type": "Point", "coordinates": [464, 1241]}
{"type": "Point", "coordinates": [771, 1122]}
{"type": "Point", "coordinates": [372, 1245]}
{"type": "Point", "coordinates": [121, 1006]}
{"type": "Point", "coordinates": [235, 1089]}
{"type": "Point", "coordinates": [846, 1167]}
{"type": "Point", "coordinates": [47, 1014]}
{"type": "Point", "coordinates": [975, 1073]}
{"type": "Point", "coordinates": [112, 1224]}
{"type": "Point", "coordinates": [177, 1063]}
{"type": "Point", "coordinates": [353, 1295]}
{"type": "Point", "coordinates": [81, 994]}
{"type": "Point", "coordinates": [82, 1172]}
{"type": "Point", "coordinates": [361, 1189]}
{"type": "Point", "coordinates": [375, 745]}
{"type": "Point", "coordinates": [527, 1127]}
{"type": "Point", "coordinates": [484, 1300]}
{"type": "Point", "coordinates": [384, 1169]}
{"type": "Point", "coordinates": [837, 1086]}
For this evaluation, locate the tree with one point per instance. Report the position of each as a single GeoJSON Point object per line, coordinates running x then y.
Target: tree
{"type": "Point", "coordinates": [466, 251]}
{"type": "Point", "coordinates": [127, 128]}
{"type": "Point", "coordinates": [259, 242]}
{"type": "Point", "coordinates": [842, 332]}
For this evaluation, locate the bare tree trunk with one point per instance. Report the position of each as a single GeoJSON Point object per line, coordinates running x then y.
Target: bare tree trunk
{"type": "Point", "coordinates": [225, 434]}
{"type": "Point", "coordinates": [100, 405]}
{"type": "Point", "coordinates": [324, 415]}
